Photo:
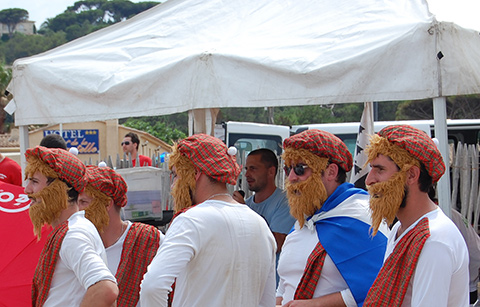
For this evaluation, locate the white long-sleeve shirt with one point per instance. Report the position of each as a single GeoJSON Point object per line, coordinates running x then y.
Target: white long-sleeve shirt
{"type": "Point", "coordinates": [219, 254]}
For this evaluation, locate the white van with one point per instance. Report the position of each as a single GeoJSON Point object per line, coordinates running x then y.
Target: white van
{"type": "Point", "coordinates": [247, 137]}
{"type": "Point", "coordinates": [466, 131]}
{"type": "Point", "coordinates": [250, 136]}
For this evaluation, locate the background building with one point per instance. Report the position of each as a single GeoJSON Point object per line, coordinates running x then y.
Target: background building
{"type": "Point", "coordinates": [26, 27]}
{"type": "Point", "coordinates": [95, 141]}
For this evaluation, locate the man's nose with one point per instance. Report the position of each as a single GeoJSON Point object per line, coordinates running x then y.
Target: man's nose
{"type": "Point", "coordinates": [28, 188]}
{"type": "Point", "coordinates": [370, 179]}
{"type": "Point", "coordinates": [291, 176]}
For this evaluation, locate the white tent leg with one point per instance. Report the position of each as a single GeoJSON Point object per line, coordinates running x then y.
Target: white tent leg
{"type": "Point", "coordinates": [440, 120]}
{"type": "Point", "coordinates": [190, 122]}
{"type": "Point", "coordinates": [24, 144]}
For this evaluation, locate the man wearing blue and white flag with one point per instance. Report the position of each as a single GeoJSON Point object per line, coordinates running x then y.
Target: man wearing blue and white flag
{"type": "Point", "coordinates": [330, 258]}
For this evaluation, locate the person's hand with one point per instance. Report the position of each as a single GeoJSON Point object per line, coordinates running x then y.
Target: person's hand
{"type": "Point", "coordinates": [237, 196]}
{"type": "Point", "coordinates": [300, 303]}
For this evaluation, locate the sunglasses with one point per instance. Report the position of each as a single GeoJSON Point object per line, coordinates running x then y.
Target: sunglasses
{"type": "Point", "coordinates": [126, 143]}
{"type": "Point", "coordinates": [299, 169]}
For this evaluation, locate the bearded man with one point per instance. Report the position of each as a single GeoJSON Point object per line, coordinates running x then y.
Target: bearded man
{"type": "Point", "coordinates": [426, 263]}
{"type": "Point", "coordinates": [330, 258]}
{"type": "Point", "coordinates": [220, 252]}
{"type": "Point", "coordinates": [71, 270]}
{"type": "Point", "coordinates": [130, 246]}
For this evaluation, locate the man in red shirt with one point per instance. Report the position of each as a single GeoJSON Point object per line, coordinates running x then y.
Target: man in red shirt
{"type": "Point", "coordinates": [10, 171]}
{"type": "Point", "coordinates": [130, 146]}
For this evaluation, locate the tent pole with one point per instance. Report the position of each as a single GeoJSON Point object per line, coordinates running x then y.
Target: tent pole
{"type": "Point", "coordinates": [440, 120]}
{"type": "Point", "coordinates": [190, 122]}
{"type": "Point", "coordinates": [24, 144]}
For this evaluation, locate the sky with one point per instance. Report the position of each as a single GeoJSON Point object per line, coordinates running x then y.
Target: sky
{"type": "Point", "coordinates": [463, 12]}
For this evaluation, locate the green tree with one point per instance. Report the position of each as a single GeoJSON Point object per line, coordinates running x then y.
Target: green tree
{"type": "Point", "coordinates": [5, 77]}
{"type": "Point", "coordinates": [157, 128]}
{"type": "Point", "coordinates": [20, 45]}
{"type": "Point", "coordinates": [87, 16]}
{"type": "Point", "coordinates": [12, 17]}
{"type": "Point", "coordinates": [386, 110]}
{"type": "Point", "coordinates": [60, 22]}
{"type": "Point", "coordinates": [458, 107]}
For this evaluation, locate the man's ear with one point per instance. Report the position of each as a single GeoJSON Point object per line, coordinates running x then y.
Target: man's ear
{"type": "Point", "coordinates": [197, 175]}
{"type": "Point", "coordinates": [413, 174]}
{"type": "Point", "coordinates": [271, 171]}
{"type": "Point", "coordinates": [331, 171]}
{"type": "Point", "coordinates": [110, 205]}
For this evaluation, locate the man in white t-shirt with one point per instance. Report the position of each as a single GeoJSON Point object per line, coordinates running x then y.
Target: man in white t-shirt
{"type": "Point", "coordinates": [217, 251]}
{"type": "Point", "coordinates": [426, 263]}
{"type": "Point", "coordinates": [130, 247]}
{"type": "Point", "coordinates": [71, 270]}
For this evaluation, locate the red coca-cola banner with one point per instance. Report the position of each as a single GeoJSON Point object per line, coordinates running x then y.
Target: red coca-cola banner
{"type": "Point", "coordinates": [19, 247]}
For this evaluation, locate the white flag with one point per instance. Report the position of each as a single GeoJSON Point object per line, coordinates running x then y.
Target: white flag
{"type": "Point", "coordinates": [360, 170]}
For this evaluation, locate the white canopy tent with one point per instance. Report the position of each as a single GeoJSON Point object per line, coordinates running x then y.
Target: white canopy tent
{"type": "Point", "coordinates": [197, 54]}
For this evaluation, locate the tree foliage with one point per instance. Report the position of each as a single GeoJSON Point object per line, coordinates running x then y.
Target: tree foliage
{"type": "Point", "coordinates": [20, 45]}
{"type": "Point", "coordinates": [12, 17]}
{"type": "Point", "coordinates": [90, 15]}
{"type": "Point", "coordinates": [297, 115]}
{"type": "Point", "coordinates": [458, 107]}
{"type": "Point", "coordinates": [5, 77]}
{"type": "Point", "coordinates": [158, 126]}
{"type": "Point", "coordinates": [82, 18]}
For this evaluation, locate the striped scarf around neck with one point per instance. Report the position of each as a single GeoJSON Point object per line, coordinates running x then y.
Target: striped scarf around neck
{"type": "Point", "coordinates": [308, 283]}
{"type": "Point", "coordinates": [391, 284]}
{"type": "Point", "coordinates": [139, 248]}
{"type": "Point", "coordinates": [42, 279]}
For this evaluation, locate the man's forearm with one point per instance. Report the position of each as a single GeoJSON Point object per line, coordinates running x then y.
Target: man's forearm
{"type": "Point", "coordinates": [102, 294]}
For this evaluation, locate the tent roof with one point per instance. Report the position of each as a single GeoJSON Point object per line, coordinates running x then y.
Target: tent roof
{"type": "Point", "coordinates": [191, 54]}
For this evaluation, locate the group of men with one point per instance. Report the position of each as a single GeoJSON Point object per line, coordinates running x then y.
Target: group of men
{"type": "Point", "coordinates": [92, 257]}
{"type": "Point", "coordinates": [219, 252]}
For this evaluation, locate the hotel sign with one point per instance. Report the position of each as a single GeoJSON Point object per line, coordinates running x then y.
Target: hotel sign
{"type": "Point", "coordinates": [86, 140]}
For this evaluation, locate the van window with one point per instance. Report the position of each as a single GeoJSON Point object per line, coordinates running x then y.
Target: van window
{"type": "Point", "coordinates": [248, 142]}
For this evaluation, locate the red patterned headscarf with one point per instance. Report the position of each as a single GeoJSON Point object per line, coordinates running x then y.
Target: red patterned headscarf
{"type": "Point", "coordinates": [397, 141]}
{"type": "Point", "coordinates": [60, 164]}
{"type": "Point", "coordinates": [323, 144]}
{"type": "Point", "coordinates": [109, 182]}
{"type": "Point", "coordinates": [210, 155]}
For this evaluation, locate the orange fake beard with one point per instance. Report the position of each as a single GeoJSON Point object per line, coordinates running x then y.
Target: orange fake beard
{"type": "Point", "coordinates": [49, 204]}
{"type": "Point", "coordinates": [305, 197]}
{"type": "Point", "coordinates": [184, 187]}
{"type": "Point", "coordinates": [182, 191]}
{"type": "Point", "coordinates": [96, 212]}
{"type": "Point", "coordinates": [386, 198]}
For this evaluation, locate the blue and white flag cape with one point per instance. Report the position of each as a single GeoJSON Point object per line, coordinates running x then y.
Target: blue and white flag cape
{"type": "Point", "coordinates": [344, 231]}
